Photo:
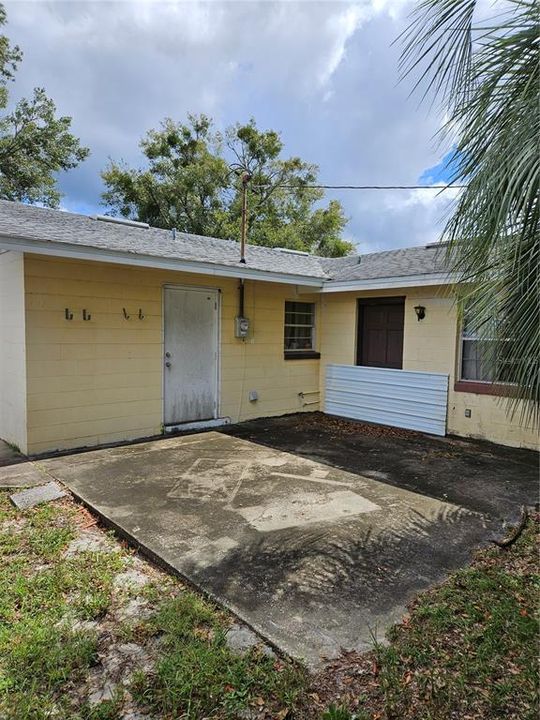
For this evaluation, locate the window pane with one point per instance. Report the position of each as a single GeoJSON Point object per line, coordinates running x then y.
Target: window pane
{"type": "Point", "coordinates": [298, 319]}
{"type": "Point", "coordinates": [477, 360]}
{"type": "Point", "coordinates": [298, 330]}
{"type": "Point", "coordinates": [483, 357]}
{"type": "Point", "coordinates": [298, 307]}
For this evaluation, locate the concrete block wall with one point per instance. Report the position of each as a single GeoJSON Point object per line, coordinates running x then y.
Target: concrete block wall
{"type": "Point", "coordinates": [429, 345]}
{"type": "Point", "coordinates": [98, 381]}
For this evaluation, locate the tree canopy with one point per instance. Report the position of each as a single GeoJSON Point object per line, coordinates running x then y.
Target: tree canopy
{"type": "Point", "coordinates": [35, 144]}
{"type": "Point", "coordinates": [487, 76]}
{"type": "Point", "coordinates": [192, 182]}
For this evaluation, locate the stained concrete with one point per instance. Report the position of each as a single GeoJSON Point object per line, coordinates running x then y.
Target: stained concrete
{"type": "Point", "coordinates": [37, 495]}
{"type": "Point", "coordinates": [21, 475]}
{"type": "Point", "coordinates": [475, 474]}
{"type": "Point", "coordinates": [16, 471]}
{"type": "Point", "coordinates": [312, 557]}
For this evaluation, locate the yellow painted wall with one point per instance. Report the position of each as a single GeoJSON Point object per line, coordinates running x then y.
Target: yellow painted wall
{"type": "Point", "coordinates": [98, 381]}
{"type": "Point", "coordinates": [12, 350]}
{"type": "Point", "coordinates": [430, 345]}
{"type": "Point", "coordinates": [101, 381]}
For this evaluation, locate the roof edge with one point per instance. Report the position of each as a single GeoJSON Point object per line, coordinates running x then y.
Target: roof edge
{"type": "Point", "coordinates": [86, 252]}
{"type": "Point", "coordinates": [392, 281]}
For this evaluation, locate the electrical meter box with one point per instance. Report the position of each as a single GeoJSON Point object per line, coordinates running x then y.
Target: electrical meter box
{"type": "Point", "coordinates": [241, 327]}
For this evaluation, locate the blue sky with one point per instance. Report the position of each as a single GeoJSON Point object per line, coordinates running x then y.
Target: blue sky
{"type": "Point", "coordinates": [439, 173]}
{"type": "Point", "coordinates": [324, 74]}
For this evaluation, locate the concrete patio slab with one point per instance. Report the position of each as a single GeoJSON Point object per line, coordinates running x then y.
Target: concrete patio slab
{"type": "Point", "coordinates": [312, 557]}
{"type": "Point", "coordinates": [16, 471]}
{"type": "Point", "coordinates": [21, 475]}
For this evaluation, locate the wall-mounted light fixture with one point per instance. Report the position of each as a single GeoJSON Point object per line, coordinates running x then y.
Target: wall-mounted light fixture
{"type": "Point", "coordinates": [420, 311]}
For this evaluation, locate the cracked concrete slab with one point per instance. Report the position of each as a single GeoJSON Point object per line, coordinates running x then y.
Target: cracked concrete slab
{"type": "Point", "coordinates": [312, 557]}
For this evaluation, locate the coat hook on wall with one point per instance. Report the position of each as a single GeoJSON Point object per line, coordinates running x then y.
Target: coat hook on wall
{"type": "Point", "coordinates": [86, 315]}
{"type": "Point", "coordinates": [141, 316]}
{"type": "Point", "coordinates": [68, 315]}
{"type": "Point", "coordinates": [125, 313]}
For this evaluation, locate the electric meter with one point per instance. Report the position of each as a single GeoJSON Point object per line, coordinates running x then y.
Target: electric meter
{"type": "Point", "coordinates": [241, 328]}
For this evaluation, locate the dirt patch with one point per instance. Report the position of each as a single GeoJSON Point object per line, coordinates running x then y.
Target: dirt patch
{"type": "Point", "coordinates": [340, 426]}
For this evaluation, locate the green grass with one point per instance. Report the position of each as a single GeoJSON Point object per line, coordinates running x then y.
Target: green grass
{"type": "Point", "coordinates": [198, 675]}
{"type": "Point", "coordinates": [40, 654]}
{"type": "Point", "coordinates": [468, 649]}
{"type": "Point", "coordinates": [43, 659]}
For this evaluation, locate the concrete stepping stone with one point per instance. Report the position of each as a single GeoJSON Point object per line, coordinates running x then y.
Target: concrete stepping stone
{"type": "Point", "coordinates": [37, 495]}
{"type": "Point", "coordinates": [131, 579]}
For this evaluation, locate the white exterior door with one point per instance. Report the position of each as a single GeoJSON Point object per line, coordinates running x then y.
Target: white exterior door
{"type": "Point", "coordinates": [190, 362]}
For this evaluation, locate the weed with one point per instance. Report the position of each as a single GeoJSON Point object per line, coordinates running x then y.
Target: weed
{"type": "Point", "coordinates": [341, 713]}
{"type": "Point", "coordinates": [43, 658]}
{"type": "Point", "coordinates": [199, 676]}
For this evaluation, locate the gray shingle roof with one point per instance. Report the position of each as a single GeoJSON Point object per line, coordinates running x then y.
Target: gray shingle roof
{"type": "Point", "coordinates": [43, 224]}
{"type": "Point", "coordinates": [390, 263]}
{"type": "Point", "coordinates": [25, 222]}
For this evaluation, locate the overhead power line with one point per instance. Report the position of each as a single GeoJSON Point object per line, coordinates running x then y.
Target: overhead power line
{"type": "Point", "coordinates": [362, 187]}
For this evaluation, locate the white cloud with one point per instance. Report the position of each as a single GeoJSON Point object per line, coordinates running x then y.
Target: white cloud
{"type": "Point", "coordinates": [340, 28]}
{"type": "Point", "coordinates": [403, 218]}
{"type": "Point", "coordinates": [420, 197]}
{"type": "Point", "coordinates": [324, 74]}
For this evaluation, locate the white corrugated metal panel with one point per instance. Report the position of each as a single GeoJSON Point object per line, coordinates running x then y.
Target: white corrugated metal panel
{"type": "Point", "coordinates": [402, 398]}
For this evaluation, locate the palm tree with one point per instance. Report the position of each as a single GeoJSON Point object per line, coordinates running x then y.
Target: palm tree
{"type": "Point", "coordinates": [487, 77]}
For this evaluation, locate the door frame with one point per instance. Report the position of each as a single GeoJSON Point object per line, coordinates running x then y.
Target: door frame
{"type": "Point", "coordinates": [202, 288]}
{"type": "Point", "coordinates": [360, 304]}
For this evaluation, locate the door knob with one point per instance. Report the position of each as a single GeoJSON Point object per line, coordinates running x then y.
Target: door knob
{"type": "Point", "coordinates": [167, 364]}
{"type": "Point", "coordinates": [167, 354]}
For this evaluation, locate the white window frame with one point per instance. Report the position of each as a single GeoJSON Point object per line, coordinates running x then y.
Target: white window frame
{"type": "Point", "coordinates": [313, 327]}
{"type": "Point", "coordinates": [474, 338]}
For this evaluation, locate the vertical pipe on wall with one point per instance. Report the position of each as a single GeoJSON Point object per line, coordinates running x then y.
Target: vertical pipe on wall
{"type": "Point", "coordinates": [246, 177]}
{"type": "Point", "coordinates": [241, 289]}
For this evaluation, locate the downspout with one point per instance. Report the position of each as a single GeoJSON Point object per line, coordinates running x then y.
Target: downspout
{"type": "Point", "coordinates": [242, 323]}
{"type": "Point", "coordinates": [241, 289]}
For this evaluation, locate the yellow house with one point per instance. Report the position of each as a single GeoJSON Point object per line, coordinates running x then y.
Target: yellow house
{"type": "Point", "coordinates": [112, 330]}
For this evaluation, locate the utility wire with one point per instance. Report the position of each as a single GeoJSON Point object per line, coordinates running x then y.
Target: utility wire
{"type": "Point", "coordinates": [361, 187]}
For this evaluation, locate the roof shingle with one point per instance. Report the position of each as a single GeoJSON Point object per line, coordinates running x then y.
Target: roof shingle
{"type": "Point", "coordinates": [26, 222]}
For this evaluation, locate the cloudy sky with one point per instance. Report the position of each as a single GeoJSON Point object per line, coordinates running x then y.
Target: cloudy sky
{"type": "Point", "coordinates": [322, 73]}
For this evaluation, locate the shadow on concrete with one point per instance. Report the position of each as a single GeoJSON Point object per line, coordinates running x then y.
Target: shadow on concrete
{"type": "Point", "coordinates": [480, 476]}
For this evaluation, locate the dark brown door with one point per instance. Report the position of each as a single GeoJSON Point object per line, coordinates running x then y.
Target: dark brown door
{"type": "Point", "coordinates": [380, 332]}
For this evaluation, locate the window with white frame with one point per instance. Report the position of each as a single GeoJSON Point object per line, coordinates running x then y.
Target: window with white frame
{"type": "Point", "coordinates": [299, 326]}
{"type": "Point", "coordinates": [483, 358]}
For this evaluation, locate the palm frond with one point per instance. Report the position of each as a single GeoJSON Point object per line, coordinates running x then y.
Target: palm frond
{"type": "Point", "coordinates": [490, 88]}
